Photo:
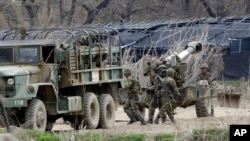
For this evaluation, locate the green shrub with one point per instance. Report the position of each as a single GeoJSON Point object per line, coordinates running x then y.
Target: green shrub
{"type": "Point", "coordinates": [211, 134]}
{"type": "Point", "coordinates": [164, 137]}
{"type": "Point", "coordinates": [127, 137]}
{"type": "Point", "coordinates": [42, 136]}
{"type": "Point", "coordinates": [88, 137]}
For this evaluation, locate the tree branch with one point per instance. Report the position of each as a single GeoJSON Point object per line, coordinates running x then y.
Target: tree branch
{"type": "Point", "coordinates": [209, 10]}
{"type": "Point", "coordinates": [93, 12]}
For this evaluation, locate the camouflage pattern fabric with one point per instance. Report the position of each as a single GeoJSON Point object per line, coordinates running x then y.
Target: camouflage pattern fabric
{"type": "Point", "coordinates": [167, 99]}
{"type": "Point", "coordinates": [204, 76]}
{"type": "Point", "coordinates": [132, 85]}
{"type": "Point", "coordinates": [131, 107]}
{"type": "Point", "coordinates": [156, 101]}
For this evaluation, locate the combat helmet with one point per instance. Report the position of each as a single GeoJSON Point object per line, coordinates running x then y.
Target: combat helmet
{"type": "Point", "coordinates": [127, 71]}
{"type": "Point", "coordinates": [170, 72]}
{"type": "Point", "coordinates": [204, 65]}
{"type": "Point", "coordinates": [158, 63]}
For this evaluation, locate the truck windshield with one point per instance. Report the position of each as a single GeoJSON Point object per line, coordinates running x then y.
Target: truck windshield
{"type": "Point", "coordinates": [6, 55]}
{"type": "Point", "coordinates": [27, 55]}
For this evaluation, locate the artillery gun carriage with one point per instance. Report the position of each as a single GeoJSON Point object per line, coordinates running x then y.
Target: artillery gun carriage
{"type": "Point", "coordinates": [200, 93]}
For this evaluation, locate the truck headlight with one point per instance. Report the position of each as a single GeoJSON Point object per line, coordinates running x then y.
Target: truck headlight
{"type": "Point", "coordinates": [10, 81]}
{"type": "Point", "coordinates": [31, 88]}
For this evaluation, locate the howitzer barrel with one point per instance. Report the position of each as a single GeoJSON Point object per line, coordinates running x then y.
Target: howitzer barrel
{"type": "Point", "coordinates": [191, 48]}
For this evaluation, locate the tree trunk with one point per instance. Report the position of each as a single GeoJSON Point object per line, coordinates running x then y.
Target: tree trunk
{"type": "Point", "coordinates": [93, 12]}
{"type": "Point", "coordinates": [221, 10]}
{"type": "Point", "coordinates": [247, 6]}
{"type": "Point", "coordinates": [31, 12]}
{"type": "Point", "coordinates": [48, 8]}
{"type": "Point", "coordinates": [60, 11]}
{"type": "Point", "coordinates": [209, 10]}
{"type": "Point", "coordinates": [186, 8]}
{"type": "Point", "coordinates": [71, 12]}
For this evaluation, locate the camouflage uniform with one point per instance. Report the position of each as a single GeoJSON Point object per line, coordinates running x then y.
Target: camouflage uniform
{"type": "Point", "coordinates": [156, 101]}
{"type": "Point", "coordinates": [131, 107]}
{"type": "Point", "coordinates": [167, 96]}
{"type": "Point", "coordinates": [204, 75]}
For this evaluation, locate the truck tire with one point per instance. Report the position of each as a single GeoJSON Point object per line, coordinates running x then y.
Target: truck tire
{"type": "Point", "coordinates": [91, 110]}
{"type": "Point", "coordinates": [201, 108]}
{"type": "Point", "coordinates": [107, 111]}
{"type": "Point", "coordinates": [36, 115]}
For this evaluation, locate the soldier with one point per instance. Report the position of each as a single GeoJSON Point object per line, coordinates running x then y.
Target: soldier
{"type": "Point", "coordinates": [156, 99]}
{"type": "Point", "coordinates": [169, 90]}
{"type": "Point", "coordinates": [131, 107]}
{"type": "Point", "coordinates": [205, 74]}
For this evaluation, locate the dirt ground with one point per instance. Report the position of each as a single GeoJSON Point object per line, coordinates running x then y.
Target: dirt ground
{"type": "Point", "coordinates": [186, 120]}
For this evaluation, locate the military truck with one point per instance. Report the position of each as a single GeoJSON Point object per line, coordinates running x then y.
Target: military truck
{"type": "Point", "coordinates": [45, 74]}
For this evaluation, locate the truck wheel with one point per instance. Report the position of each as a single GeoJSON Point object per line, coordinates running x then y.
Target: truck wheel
{"type": "Point", "coordinates": [91, 110]}
{"type": "Point", "coordinates": [107, 111]}
{"type": "Point", "coordinates": [202, 108]}
{"type": "Point", "coordinates": [36, 115]}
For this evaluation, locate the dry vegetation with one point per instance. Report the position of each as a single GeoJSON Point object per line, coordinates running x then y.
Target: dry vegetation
{"type": "Point", "coordinates": [210, 55]}
{"type": "Point", "coordinates": [72, 12]}
{"type": "Point", "coordinates": [89, 11]}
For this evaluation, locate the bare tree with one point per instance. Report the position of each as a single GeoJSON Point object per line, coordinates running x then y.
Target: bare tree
{"type": "Point", "coordinates": [247, 7]}
{"type": "Point", "coordinates": [48, 8]}
{"type": "Point", "coordinates": [207, 7]}
{"type": "Point", "coordinates": [92, 13]}
{"type": "Point", "coordinates": [69, 12]}
{"type": "Point", "coordinates": [221, 10]}
{"type": "Point", "coordinates": [186, 8]}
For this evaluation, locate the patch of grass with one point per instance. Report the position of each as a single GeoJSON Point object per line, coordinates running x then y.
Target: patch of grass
{"type": "Point", "coordinates": [234, 83]}
{"type": "Point", "coordinates": [88, 137]}
{"type": "Point", "coordinates": [211, 134]}
{"type": "Point", "coordinates": [127, 137]}
{"type": "Point", "coordinates": [42, 136]}
{"type": "Point", "coordinates": [164, 137]}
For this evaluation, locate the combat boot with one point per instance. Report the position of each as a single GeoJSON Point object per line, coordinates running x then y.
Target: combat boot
{"type": "Point", "coordinates": [164, 120]}
{"type": "Point", "coordinates": [172, 120]}
{"type": "Point", "coordinates": [156, 121]}
{"type": "Point", "coordinates": [132, 120]}
{"type": "Point", "coordinates": [143, 122]}
{"type": "Point", "coordinates": [150, 121]}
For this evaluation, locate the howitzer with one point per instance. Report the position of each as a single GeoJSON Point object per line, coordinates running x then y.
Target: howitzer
{"type": "Point", "coordinates": [198, 95]}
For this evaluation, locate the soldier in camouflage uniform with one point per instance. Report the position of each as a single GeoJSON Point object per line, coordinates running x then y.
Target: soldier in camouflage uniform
{"type": "Point", "coordinates": [156, 99]}
{"type": "Point", "coordinates": [204, 75]}
{"type": "Point", "coordinates": [168, 93]}
{"type": "Point", "coordinates": [131, 107]}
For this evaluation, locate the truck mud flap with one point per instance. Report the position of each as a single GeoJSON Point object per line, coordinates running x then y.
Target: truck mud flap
{"type": "Point", "coordinates": [230, 100]}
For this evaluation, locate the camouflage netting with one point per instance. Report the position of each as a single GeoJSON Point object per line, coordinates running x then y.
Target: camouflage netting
{"type": "Point", "coordinates": [210, 55]}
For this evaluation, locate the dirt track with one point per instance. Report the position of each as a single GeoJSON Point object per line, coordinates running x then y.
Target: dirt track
{"type": "Point", "coordinates": [186, 120]}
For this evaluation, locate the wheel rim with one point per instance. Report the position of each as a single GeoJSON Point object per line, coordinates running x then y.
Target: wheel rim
{"type": "Point", "coordinates": [109, 112]}
{"type": "Point", "coordinates": [92, 110]}
{"type": "Point", "coordinates": [40, 118]}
